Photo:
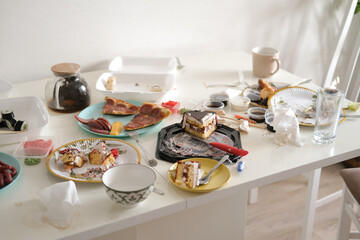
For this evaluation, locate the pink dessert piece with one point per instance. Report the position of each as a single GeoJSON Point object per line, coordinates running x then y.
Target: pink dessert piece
{"type": "Point", "coordinates": [37, 147]}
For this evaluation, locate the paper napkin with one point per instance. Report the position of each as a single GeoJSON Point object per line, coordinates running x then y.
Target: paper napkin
{"type": "Point", "coordinates": [59, 200]}
{"type": "Point", "coordinates": [287, 127]}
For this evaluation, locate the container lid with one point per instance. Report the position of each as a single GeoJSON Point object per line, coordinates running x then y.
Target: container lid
{"type": "Point", "coordinates": [65, 69]}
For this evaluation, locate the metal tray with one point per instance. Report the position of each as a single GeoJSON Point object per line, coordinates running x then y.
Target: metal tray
{"type": "Point", "coordinates": [167, 148]}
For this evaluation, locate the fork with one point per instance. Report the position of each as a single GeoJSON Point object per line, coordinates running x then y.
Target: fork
{"type": "Point", "coordinates": [313, 114]}
{"type": "Point", "coordinates": [135, 135]}
{"type": "Point", "coordinates": [204, 180]}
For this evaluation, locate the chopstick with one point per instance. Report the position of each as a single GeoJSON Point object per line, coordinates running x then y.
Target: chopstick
{"type": "Point", "coordinates": [247, 119]}
{"type": "Point", "coordinates": [10, 132]}
{"type": "Point", "coordinates": [239, 121]}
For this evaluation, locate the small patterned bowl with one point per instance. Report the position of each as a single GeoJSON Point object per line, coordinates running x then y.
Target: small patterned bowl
{"type": "Point", "coordinates": [129, 184]}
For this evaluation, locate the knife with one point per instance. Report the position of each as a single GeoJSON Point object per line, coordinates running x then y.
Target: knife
{"type": "Point", "coordinates": [229, 149]}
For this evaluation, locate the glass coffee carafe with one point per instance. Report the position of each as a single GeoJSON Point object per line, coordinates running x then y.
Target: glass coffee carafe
{"type": "Point", "coordinates": [67, 91]}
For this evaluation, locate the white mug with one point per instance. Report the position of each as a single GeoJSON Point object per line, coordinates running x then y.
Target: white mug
{"type": "Point", "coordinates": [265, 61]}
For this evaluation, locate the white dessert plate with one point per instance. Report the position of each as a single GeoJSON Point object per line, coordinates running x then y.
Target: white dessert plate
{"type": "Point", "coordinates": [95, 111]}
{"type": "Point", "coordinates": [139, 64]}
{"type": "Point", "coordinates": [89, 172]}
{"type": "Point", "coordinates": [10, 160]}
{"type": "Point", "coordinates": [149, 87]}
{"type": "Point", "coordinates": [218, 178]}
{"type": "Point", "coordinates": [29, 109]}
{"type": "Point", "coordinates": [296, 98]}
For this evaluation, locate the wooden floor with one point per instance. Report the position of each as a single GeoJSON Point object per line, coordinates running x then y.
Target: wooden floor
{"type": "Point", "coordinates": [280, 210]}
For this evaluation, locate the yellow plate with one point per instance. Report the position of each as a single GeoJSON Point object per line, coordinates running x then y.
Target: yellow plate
{"type": "Point", "coordinates": [217, 179]}
{"type": "Point", "coordinates": [127, 154]}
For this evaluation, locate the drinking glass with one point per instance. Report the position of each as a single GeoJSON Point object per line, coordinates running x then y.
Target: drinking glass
{"type": "Point", "coordinates": [328, 107]}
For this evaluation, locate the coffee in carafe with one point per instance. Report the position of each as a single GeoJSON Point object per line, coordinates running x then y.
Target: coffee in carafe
{"type": "Point", "coordinates": [67, 91]}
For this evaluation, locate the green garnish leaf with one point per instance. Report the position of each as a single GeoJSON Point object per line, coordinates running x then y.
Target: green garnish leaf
{"type": "Point", "coordinates": [32, 161]}
{"type": "Point", "coordinates": [354, 106]}
{"type": "Point", "coordinates": [183, 110]}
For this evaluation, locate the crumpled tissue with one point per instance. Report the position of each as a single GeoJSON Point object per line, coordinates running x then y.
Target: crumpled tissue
{"type": "Point", "coordinates": [244, 126]}
{"type": "Point", "coordinates": [59, 200]}
{"type": "Point", "coordinates": [287, 128]}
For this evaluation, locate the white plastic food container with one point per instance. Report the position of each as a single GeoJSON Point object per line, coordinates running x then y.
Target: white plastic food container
{"type": "Point", "coordinates": [137, 86]}
{"type": "Point", "coordinates": [239, 103]}
{"type": "Point", "coordinates": [29, 109]}
{"type": "Point", "coordinates": [143, 64]}
{"type": "Point", "coordinates": [35, 147]}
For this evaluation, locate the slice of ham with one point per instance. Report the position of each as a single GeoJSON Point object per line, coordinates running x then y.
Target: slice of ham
{"type": "Point", "coordinates": [99, 125]}
{"type": "Point", "coordinates": [148, 115]}
{"type": "Point", "coordinates": [83, 121]}
{"type": "Point", "coordinates": [119, 107]}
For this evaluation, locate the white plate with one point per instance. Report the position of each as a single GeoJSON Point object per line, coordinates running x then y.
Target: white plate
{"type": "Point", "coordinates": [30, 109]}
{"type": "Point", "coordinates": [127, 154]}
{"type": "Point", "coordinates": [137, 86]}
{"type": "Point", "coordinates": [143, 64]}
{"type": "Point", "coordinates": [5, 87]}
{"type": "Point", "coordinates": [296, 98]}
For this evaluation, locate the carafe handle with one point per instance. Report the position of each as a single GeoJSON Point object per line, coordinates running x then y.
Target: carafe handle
{"type": "Point", "coordinates": [59, 83]}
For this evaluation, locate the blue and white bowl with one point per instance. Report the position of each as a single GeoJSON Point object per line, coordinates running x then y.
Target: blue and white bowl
{"type": "Point", "coordinates": [129, 184]}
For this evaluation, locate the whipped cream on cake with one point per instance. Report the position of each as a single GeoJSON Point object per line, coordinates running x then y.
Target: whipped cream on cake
{"type": "Point", "coordinates": [199, 123]}
{"type": "Point", "coordinates": [188, 174]}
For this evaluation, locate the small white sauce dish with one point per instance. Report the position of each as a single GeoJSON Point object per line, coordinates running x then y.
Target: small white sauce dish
{"type": "Point", "coordinates": [239, 103]}
{"type": "Point", "coordinates": [129, 184]}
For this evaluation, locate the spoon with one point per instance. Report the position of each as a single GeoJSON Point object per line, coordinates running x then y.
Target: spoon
{"type": "Point", "coordinates": [300, 82]}
{"type": "Point", "coordinates": [158, 191]}
{"type": "Point", "coordinates": [232, 84]}
{"type": "Point", "coordinates": [135, 135]}
{"type": "Point", "coordinates": [204, 180]}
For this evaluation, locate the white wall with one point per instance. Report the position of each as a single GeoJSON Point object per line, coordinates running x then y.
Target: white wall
{"type": "Point", "coordinates": [35, 34]}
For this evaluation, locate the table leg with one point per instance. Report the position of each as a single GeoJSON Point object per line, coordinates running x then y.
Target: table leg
{"type": "Point", "coordinates": [243, 209]}
{"type": "Point", "coordinates": [253, 196]}
{"type": "Point", "coordinates": [310, 207]}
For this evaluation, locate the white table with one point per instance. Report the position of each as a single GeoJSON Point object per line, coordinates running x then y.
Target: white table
{"type": "Point", "coordinates": [159, 216]}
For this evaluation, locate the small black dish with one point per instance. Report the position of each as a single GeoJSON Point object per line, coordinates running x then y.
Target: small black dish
{"type": "Point", "coordinates": [214, 105]}
{"type": "Point", "coordinates": [269, 118]}
{"type": "Point", "coordinates": [220, 97]}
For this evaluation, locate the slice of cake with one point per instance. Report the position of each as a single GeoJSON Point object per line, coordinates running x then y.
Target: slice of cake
{"type": "Point", "coordinates": [100, 156]}
{"type": "Point", "coordinates": [72, 157]}
{"type": "Point", "coordinates": [199, 123]}
{"type": "Point", "coordinates": [187, 173]}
